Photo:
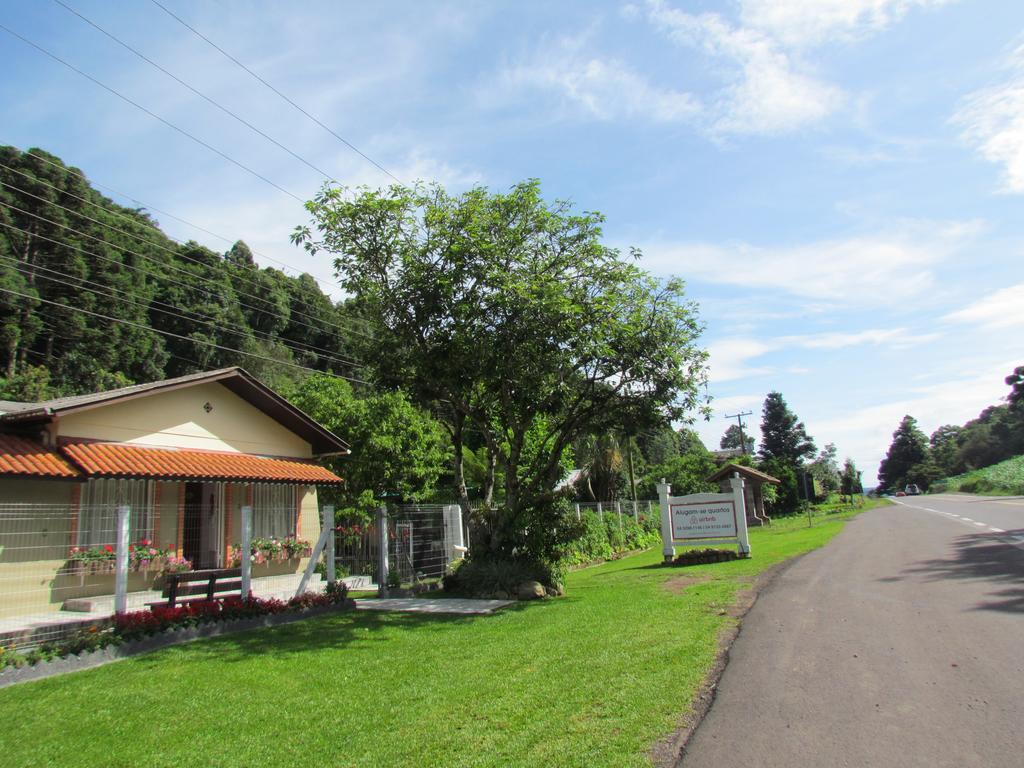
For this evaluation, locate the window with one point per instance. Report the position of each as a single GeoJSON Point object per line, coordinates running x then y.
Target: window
{"type": "Point", "coordinates": [97, 513]}
{"type": "Point", "coordinates": [274, 509]}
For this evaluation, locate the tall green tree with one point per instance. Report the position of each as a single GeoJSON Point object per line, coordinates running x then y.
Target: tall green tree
{"type": "Point", "coordinates": [784, 446]}
{"type": "Point", "coordinates": [944, 447]}
{"type": "Point", "coordinates": [849, 479]}
{"type": "Point", "coordinates": [1016, 383]}
{"type": "Point", "coordinates": [825, 468]}
{"type": "Point", "coordinates": [400, 450]}
{"type": "Point", "coordinates": [909, 447]}
{"type": "Point", "coordinates": [783, 435]}
{"type": "Point", "coordinates": [735, 437]}
{"type": "Point", "coordinates": [509, 312]}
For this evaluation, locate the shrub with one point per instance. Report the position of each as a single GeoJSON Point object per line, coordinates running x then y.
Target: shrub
{"type": "Point", "coordinates": [485, 577]}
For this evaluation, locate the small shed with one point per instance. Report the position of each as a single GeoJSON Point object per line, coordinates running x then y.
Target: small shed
{"type": "Point", "coordinates": [753, 489]}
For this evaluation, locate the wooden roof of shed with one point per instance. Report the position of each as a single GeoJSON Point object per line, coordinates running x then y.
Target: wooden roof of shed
{"type": "Point", "coordinates": [748, 473]}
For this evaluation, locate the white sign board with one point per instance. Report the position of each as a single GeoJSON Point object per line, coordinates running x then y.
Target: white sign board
{"type": "Point", "coordinates": [697, 520]}
{"type": "Point", "coordinates": [700, 519]}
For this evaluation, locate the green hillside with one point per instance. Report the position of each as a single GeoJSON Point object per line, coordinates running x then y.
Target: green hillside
{"type": "Point", "coordinates": [1003, 479]}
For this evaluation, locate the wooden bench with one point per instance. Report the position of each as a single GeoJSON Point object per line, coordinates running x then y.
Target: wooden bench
{"type": "Point", "coordinates": [193, 586]}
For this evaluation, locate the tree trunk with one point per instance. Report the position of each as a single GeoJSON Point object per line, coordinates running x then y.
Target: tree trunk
{"type": "Point", "coordinates": [492, 465]}
{"type": "Point", "coordinates": [458, 421]}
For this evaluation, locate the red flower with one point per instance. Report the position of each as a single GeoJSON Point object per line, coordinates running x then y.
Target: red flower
{"type": "Point", "coordinates": [107, 548]}
{"type": "Point", "coordinates": [145, 542]}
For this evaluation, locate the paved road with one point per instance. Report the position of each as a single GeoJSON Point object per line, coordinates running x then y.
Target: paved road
{"type": "Point", "coordinates": [901, 643]}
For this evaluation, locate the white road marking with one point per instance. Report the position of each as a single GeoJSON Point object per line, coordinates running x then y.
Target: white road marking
{"type": "Point", "coordinates": [967, 519]}
{"type": "Point", "coordinates": [996, 530]}
{"type": "Point", "coordinates": [982, 525]}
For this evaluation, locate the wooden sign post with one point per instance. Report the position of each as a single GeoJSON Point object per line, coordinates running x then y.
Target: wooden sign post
{"type": "Point", "coordinates": [701, 519]}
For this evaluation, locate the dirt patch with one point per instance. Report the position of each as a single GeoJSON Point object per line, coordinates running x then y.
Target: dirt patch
{"type": "Point", "coordinates": [669, 751]}
{"type": "Point", "coordinates": [677, 584]}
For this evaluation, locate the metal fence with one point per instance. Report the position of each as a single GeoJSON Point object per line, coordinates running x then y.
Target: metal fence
{"type": "Point", "coordinates": [423, 540]}
{"type": "Point", "coordinates": [635, 509]}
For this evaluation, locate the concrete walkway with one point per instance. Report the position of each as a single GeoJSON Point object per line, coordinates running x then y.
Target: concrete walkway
{"type": "Point", "coordinates": [461, 606]}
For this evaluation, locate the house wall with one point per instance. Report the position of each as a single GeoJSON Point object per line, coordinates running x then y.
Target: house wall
{"type": "Point", "coordinates": [179, 419]}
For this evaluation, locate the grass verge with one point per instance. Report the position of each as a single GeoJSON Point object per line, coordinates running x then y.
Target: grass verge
{"type": "Point", "coordinates": [591, 679]}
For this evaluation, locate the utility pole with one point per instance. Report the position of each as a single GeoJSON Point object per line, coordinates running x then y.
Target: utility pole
{"type": "Point", "coordinates": [739, 420]}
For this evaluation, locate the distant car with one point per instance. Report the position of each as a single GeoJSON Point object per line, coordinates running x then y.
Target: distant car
{"type": "Point", "coordinates": [912, 490]}
{"type": "Point", "coordinates": [900, 493]}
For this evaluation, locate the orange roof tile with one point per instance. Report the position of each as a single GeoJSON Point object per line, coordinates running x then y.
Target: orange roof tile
{"type": "Point", "coordinates": [126, 460]}
{"type": "Point", "coordinates": [21, 456]}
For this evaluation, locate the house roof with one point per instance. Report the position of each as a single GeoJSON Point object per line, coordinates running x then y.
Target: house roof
{"type": "Point", "coordinates": [21, 456]}
{"type": "Point", "coordinates": [133, 461]}
{"type": "Point", "coordinates": [747, 472]}
{"type": "Point", "coordinates": [236, 379]}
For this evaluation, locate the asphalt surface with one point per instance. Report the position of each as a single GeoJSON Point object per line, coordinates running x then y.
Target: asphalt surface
{"type": "Point", "coordinates": [901, 643]}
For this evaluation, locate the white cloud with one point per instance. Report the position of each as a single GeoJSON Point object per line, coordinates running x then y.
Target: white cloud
{"type": "Point", "coordinates": [993, 122]}
{"type": "Point", "coordinates": [773, 93]}
{"type": "Point", "coordinates": [605, 88]}
{"type": "Point", "coordinates": [866, 433]}
{"type": "Point", "coordinates": [856, 270]}
{"type": "Point", "coordinates": [897, 338]}
{"type": "Point", "coordinates": [1002, 309]}
{"type": "Point", "coordinates": [728, 358]}
{"type": "Point", "coordinates": [812, 22]}
{"type": "Point", "coordinates": [774, 88]}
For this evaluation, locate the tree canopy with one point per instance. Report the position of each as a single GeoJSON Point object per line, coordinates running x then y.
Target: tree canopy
{"type": "Point", "coordinates": [735, 437]}
{"type": "Point", "coordinates": [909, 447]}
{"type": "Point", "coordinates": [93, 295]}
{"type": "Point", "coordinates": [510, 314]}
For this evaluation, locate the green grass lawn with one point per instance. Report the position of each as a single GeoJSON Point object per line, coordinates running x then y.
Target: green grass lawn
{"type": "Point", "coordinates": [590, 679]}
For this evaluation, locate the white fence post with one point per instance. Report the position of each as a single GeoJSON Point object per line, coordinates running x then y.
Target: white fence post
{"type": "Point", "coordinates": [664, 489]}
{"type": "Point", "coordinates": [382, 551]}
{"type": "Point", "coordinates": [636, 511]}
{"type": "Point", "coordinates": [578, 516]}
{"type": "Point", "coordinates": [618, 511]}
{"type": "Point", "coordinates": [246, 547]}
{"type": "Point", "coordinates": [328, 522]}
{"type": "Point", "coordinates": [124, 516]}
{"type": "Point", "coordinates": [741, 512]}
{"type": "Point", "coordinates": [600, 511]}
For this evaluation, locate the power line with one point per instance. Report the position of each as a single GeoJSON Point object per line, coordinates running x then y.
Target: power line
{"type": "Point", "coordinates": [197, 92]}
{"type": "Point", "coordinates": [175, 268]}
{"type": "Point", "coordinates": [75, 172]}
{"type": "Point", "coordinates": [179, 336]}
{"type": "Point", "coordinates": [111, 292]}
{"type": "Point", "coordinates": [173, 251]}
{"type": "Point", "coordinates": [155, 116]}
{"type": "Point", "coordinates": [327, 128]}
{"type": "Point", "coordinates": [155, 275]}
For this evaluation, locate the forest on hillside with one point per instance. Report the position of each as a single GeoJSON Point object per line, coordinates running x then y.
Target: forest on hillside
{"type": "Point", "coordinates": [94, 295]}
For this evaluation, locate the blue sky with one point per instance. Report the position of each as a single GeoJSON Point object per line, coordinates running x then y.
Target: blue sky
{"type": "Point", "coordinates": [839, 181]}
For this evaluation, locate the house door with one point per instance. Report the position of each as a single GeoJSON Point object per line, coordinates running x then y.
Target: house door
{"type": "Point", "coordinates": [202, 535]}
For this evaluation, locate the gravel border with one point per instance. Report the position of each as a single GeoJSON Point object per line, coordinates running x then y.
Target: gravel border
{"type": "Point", "coordinates": [75, 663]}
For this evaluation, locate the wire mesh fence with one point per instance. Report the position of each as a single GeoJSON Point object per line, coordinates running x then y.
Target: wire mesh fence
{"type": "Point", "coordinates": [423, 540]}
{"type": "Point", "coordinates": [59, 562]}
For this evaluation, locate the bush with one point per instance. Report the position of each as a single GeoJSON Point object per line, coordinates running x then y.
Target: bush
{"type": "Point", "coordinates": [479, 577]}
{"type": "Point", "coordinates": [596, 541]}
